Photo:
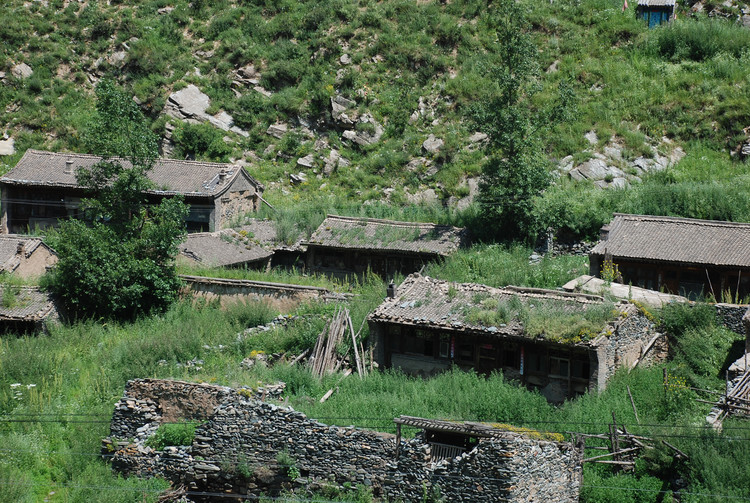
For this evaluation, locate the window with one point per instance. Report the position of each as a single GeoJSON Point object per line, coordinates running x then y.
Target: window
{"type": "Point", "coordinates": [510, 356]}
{"type": "Point", "coordinates": [465, 352]}
{"type": "Point", "coordinates": [558, 366]}
{"type": "Point", "coordinates": [445, 347]}
{"type": "Point", "coordinates": [535, 362]}
{"type": "Point", "coordinates": [580, 369]}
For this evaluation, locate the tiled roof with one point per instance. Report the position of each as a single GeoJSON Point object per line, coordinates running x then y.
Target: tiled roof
{"type": "Point", "coordinates": [221, 249]}
{"type": "Point", "coordinates": [29, 304]}
{"type": "Point", "coordinates": [263, 232]}
{"type": "Point", "coordinates": [9, 249]}
{"type": "Point", "coordinates": [390, 235]}
{"type": "Point", "coordinates": [170, 176]}
{"type": "Point", "coordinates": [672, 239]}
{"type": "Point", "coordinates": [424, 301]}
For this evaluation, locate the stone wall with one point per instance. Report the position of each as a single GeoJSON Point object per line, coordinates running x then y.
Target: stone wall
{"type": "Point", "coordinates": [628, 344]}
{"type": "Point", "coordinates": [730, 316]}
{"type": "Point", "coordinates": [281, 296]}
{"type": "Point", "coordinates": [238, 448]}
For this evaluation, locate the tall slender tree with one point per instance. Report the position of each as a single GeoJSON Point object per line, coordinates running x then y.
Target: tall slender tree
{"type": "Point", "coordinates": [119, 262]}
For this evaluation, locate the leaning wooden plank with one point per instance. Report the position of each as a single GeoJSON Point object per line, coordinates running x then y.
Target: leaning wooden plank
{"type": "Point", "coordinates": [327, 395]}
{"type": "Point", "coordinates": [354, 346]}
{"type": "Point", "coordinates": [301, 355]}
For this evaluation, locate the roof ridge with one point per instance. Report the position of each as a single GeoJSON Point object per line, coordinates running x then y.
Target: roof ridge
{"type": "Point", "coordinates": [387, 221]}
{"type": "Point", "coordinates": [684, 220]}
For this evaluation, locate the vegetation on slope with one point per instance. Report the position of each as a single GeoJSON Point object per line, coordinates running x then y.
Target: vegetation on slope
{"type": "Point", "coordinates": [688, 82]}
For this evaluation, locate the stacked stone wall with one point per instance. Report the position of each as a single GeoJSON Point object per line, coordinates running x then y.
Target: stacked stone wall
{"type": "Point", "coordinates": [249, 447]}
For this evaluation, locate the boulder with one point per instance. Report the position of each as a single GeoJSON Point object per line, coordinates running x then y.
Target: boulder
{"type": "Point", "coordinates": [432, 144]}
{"type": "Point", "coordinates": [277, 130]}
{"type": "Point", "coordinates": [306, 162]}
{"type": "Point", "coordinates": [7, 147]}
{"type": "Point", "coordinates": [21, 71]}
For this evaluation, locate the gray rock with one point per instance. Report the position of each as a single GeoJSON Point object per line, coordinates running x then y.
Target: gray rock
{"type": "Point", "coordinates": [188, 103]}
{"type": "Point", "coordinates": [263, 91]}
{"type": "Point", "coordinates": [576, 175]}
{"type": "Point", "coordinates": [565, 164]}
{"type": "Point", "coordinates": [477, 137]}
{"type": "Point", "coordinates": [21, 71]}
{"type": "Point", "coordinates": [249, 74]}
{"type": "Point", "coordinates": [344, 102]}
{"type": "Point", "coordinates": [591, 137]}
{"type": "Point", "coordinates": [594, 169]}
{"type": "Point", "coordinates": [298, 178]}
{"type": "Point", "coordinates": [432, 144]}
{"type": "Point", "coordinates": [345, 59]}
{"type": "Point", "coordinates": [613, 152]}
{"type": "Point", "coordinates": [643, 164]}
{"type": "Point", "coordinates": [619, 183]}
{"type": "Point", "coordinates": [7, 147]}
{"type": "Point", "coordinates": [553, 67]}
{"type": "Point", "coordinates": [277, 130]}
{"type": "Point", "coordinates": [306, 162]}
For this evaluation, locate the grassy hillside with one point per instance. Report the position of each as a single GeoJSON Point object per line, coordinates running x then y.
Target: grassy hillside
{"type": "Point", "coordinates": [57, 394]}
{"type": "Point", "coordinates": [414, 68]}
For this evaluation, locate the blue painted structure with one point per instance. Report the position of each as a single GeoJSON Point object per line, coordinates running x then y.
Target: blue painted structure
{"type": "Point", "coordinates": [655, 12]}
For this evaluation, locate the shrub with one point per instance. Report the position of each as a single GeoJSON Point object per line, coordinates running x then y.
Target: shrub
{"type": "Point", "coordinates": [173, 434]}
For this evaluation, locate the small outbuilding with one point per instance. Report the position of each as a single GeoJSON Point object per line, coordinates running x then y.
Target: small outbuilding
{"type": "Point", "coordinates": [42, 189]}
{"type": "Point", "coordinates": [655, 12]}
{"type": "Point", "coordinates": [24, 256]}
{"type": "Point", "coordinates": [25, 309]}
{"type": "Point", "coordinates": [683, 256]}
{"type": "Point", "coordinates": [563, 344]}
{"type": "Point", "coordinates": [223, 249]}
{"type": "Point", "coordinates": [350, 246]}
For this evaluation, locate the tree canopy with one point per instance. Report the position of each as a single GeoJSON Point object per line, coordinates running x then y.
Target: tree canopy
{"type": "Point", "coordinates": [118, 262]}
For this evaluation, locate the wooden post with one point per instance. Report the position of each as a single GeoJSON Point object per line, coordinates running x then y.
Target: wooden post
{"type": "Point", "coordinates": [666, 382]}
{"type": "Point", "coordinates": [633, 404]}
{"type": "Point", "coordinates": [615, 440]}
{"type": "Point", "coordinates": [354, 345]}
{"type": "Point", "coordinates": [398, 439]}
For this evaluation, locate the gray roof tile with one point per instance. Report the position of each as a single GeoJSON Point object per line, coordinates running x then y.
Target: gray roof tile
{"type": "Point", "coordinates": [29, 304]}
{"type": "Point", "coordinates": [222, 249]}
{"type": "Point", "coordinates": [170, 176]}
{"type": "Point", "coordinates": [429, 302]}
{"type": "Point", "coordinates": [389, 235]}
{"type": "Point", "coordinates": [681, 240]}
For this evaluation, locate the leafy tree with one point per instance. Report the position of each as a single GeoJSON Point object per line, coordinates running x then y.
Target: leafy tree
{"type": "Point", "coordinates": [119, 263]}
{"type": "Point", "coordinates": [516, 172]}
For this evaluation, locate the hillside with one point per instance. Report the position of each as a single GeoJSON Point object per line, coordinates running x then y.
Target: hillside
{"type": "Point", "coordinates": [364, 107]}
{"type": "Point", "coordinates": [371, 101]}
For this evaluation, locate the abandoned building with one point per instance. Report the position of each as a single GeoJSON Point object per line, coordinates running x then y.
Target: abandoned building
{"type": "Point", "coordinates": [223, 249]}
{"type": "Point", "coordinates": [655, 12]}
{"type": "Point", "coordinates": [42, 189]}
{"type": "Point", "coordinates": [426, 326]}
{"type": "Point", "coordinates": [265, 233]}
{"type": "Point", "coordinates": [24, 256]}
{"type": "Point", "coordinates": [26, 309]}
{"type": "Point", "coordinates": [346, 246]}
{"type": "Point", "coordinates": [684, 256]}
{"type": "Point", "coordinates": [238, 444]}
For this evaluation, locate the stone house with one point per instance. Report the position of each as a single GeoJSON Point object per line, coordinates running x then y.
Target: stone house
{"type": "Point", "coordinates": [42, 188]}
{"type": "Point", "coordinates": [223, 249]}
{"type": "Point", "coordinates": [26, 309]}
{"type": "Point", "coordinates": [24, 256]}
{"type": "Point", "coordinates": [347, 246]}
{"type": "Point", "coordinates": [426, 326]}
{"type": "Point", "coordinates": [245, 447]}
{"type": "Point", "coordinates": [683, 256]}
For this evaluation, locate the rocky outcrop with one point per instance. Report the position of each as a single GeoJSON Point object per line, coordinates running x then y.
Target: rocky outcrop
{"type": "Point", "coordinates": [608, 167]}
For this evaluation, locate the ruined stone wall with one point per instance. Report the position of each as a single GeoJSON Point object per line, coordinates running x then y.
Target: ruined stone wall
{"type": "Point", "coordinates": [629, 339]}
{"type": "Point", "coordinates": [237, 450]}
